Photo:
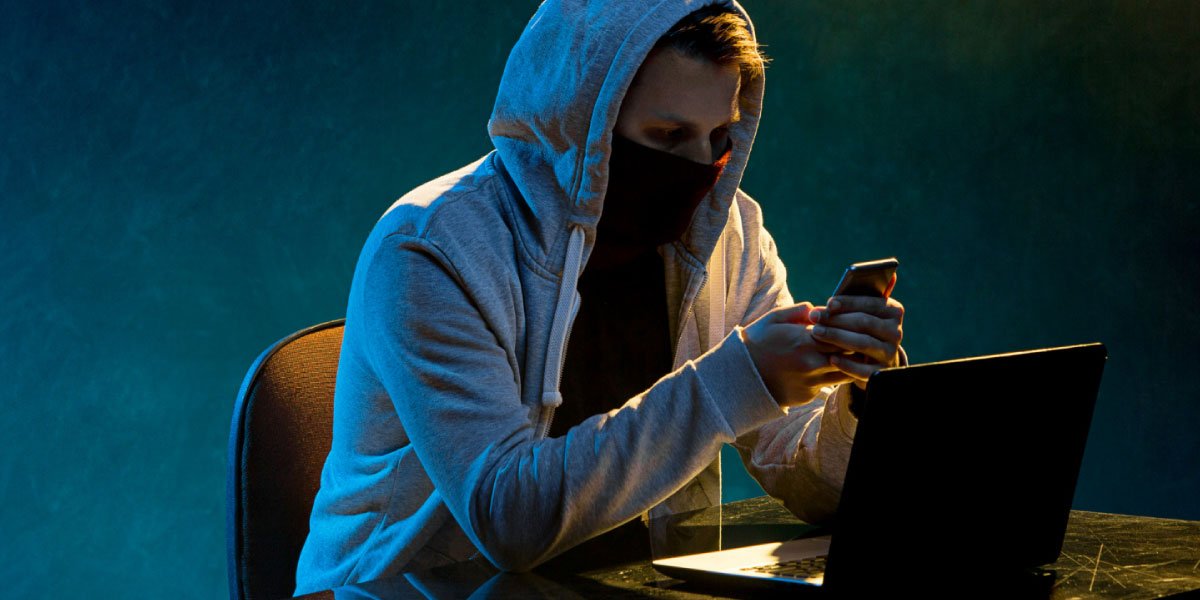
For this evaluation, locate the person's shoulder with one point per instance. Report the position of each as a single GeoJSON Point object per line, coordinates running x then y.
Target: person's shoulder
{"type": "Point", "coordinates": [745, 204]}
{"type": "Point", "coordinates": [746, 213]}
{"type": "Point", "coordinates": [464, 202]}
{"type": "Point", "coordinates": [746, 229]}
{"type": "Point", "coordinates": [461, 219]}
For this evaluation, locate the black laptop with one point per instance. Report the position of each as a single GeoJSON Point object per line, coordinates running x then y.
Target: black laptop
{"type": "Point", "coordinates": [962, 474]}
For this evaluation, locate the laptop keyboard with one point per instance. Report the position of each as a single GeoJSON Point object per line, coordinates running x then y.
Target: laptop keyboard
{"type": "Point", "coordinates": [795, 569]}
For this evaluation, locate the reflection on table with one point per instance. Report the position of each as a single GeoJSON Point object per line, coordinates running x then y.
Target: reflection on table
{"type": "Point", "coordinates": [1104, 556]}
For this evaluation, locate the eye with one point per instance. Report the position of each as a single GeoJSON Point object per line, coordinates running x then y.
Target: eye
{"type": "Point", "coordinates": [673, 134]}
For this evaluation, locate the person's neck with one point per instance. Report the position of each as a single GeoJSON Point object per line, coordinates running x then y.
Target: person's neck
{"type": "Point", "coordinates": [608, 256]}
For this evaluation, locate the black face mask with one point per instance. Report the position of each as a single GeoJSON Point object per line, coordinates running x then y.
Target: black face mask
{"type": "Point", "coordinates": [652, 194]}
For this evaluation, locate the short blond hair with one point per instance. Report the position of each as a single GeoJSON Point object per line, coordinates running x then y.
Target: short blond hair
{"type": "Point", "coordinates": [718, 34]}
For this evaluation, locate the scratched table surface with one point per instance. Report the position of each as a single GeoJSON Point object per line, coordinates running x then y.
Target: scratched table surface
{"type": "Point", "coordinates": [1123, 556]}
{"type": "Point", "coordinates": [1104, 556]}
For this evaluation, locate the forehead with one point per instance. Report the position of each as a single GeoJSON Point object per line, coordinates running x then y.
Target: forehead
{"type": "Point", "coordinates": [671, 83]}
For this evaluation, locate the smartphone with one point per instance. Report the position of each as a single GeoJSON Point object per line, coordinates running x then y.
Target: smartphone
{"type": "Point", "coordinates": [871, 278]}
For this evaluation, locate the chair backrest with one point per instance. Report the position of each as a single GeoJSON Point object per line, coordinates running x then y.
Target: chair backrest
{"type": "Point", "coordinates": [281, 433]}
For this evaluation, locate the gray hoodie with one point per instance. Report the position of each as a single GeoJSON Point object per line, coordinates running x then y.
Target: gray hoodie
{"type": "Point", "coordinates": [457, 324]}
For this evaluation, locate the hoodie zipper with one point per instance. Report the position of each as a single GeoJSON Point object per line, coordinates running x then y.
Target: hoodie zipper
{"type": "Point", "coordinates": [683, 323]}
{"type": "Point", "coordinates": [684, 320]}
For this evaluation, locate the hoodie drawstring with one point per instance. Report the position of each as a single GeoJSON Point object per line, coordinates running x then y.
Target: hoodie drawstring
{"type": "Point", "coordinates": [560, 329]}
{"type": "Point", "coordinates": [567, 307]}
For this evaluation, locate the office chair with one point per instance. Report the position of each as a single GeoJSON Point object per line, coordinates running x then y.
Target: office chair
{"type": "Point", "coordinates": [281, 433]}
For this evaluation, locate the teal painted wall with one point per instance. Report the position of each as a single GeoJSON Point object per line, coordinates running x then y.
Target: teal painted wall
{"type": "Point", "coordinates": [181, 184]}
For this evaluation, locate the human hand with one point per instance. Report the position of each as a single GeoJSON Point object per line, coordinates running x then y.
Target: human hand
{"type": "Point", "coordinates": [792, 363]}
{"type": "Point", "coordinates": [866, 332]}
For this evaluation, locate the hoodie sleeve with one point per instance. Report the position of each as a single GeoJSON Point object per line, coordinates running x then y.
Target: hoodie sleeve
{"type": "Point", "coordinates": [521, 500]}
{"type": "Point", "coordinates": [801, 457]}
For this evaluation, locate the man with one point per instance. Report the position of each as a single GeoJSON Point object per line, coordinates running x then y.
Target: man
{"type": "Point", "coordinates": [547, 344]}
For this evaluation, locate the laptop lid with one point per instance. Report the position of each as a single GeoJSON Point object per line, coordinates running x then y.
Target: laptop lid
{"type": "Point", "coordinates": [962, 472]}
{"type": "Point", "coordinates": [965, 467]}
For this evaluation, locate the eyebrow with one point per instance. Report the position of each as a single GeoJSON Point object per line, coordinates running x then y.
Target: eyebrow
{"type": "Point", "coordinates": [669, 116]}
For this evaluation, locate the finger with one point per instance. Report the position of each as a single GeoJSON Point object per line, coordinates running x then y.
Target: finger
{"type": "Point", "coordinates": [879, 307]}
{"type": "Point", "coordinates": [824, 348]}
{"type": "Point", "coordinates": [855, 342]}
{"type": "Point", "coordinates": [811, 364]}
{"type": "Point", "coordinates": [887, 330]}
{"type": "Point", "coordinates": [796, 313]}
{"type": "Point", "coordinates": [804, 390]}
{"type": "Point", "coordinates": [854, 368]}
{"type": "Point", "coordinates": [833, 378]}
{"type": "Point", "coordinates": [805, 340]}
{"type": "Point", "coordinates": [897, 308]}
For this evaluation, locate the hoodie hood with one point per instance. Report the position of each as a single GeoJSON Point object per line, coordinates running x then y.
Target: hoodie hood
{"type": "Point", "coordinates": [558, 103]}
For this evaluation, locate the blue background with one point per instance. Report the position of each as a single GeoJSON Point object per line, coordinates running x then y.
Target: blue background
{"type": "Point", "coordinates": [181, 184]}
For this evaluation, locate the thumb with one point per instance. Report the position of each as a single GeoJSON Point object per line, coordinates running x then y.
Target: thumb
{"type": "Point", "coordinates": [796, 313]}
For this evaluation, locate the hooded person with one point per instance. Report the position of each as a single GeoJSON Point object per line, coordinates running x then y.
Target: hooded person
{"type": "Point", "coordinates": [548, 343]}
